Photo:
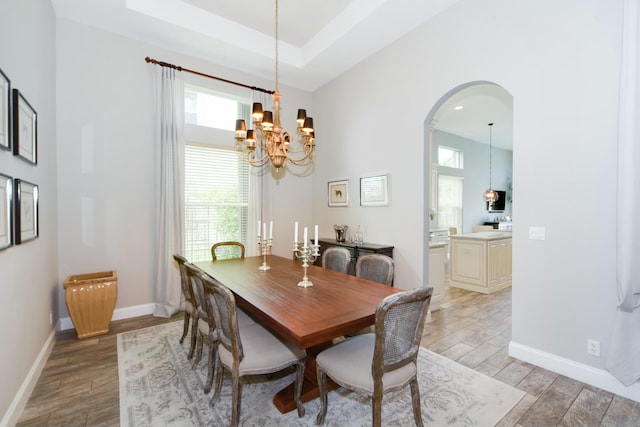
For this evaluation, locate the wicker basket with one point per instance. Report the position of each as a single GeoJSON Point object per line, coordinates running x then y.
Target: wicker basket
{"type": "Point", "coordinates": [91, 299]}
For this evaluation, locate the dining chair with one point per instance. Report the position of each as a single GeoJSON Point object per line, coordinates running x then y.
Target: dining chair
{"type": "Point", "coordinates": [227, 250]}
{"type": "Point", "coordinates": [336, 258]}
{"type": "Point", "coordinates": [251, 350]}
{"type": "Point", "coordinates": [376, 267]}
{"type": "Point", "coordinates": [189, 302]}
{"type": "Point", "coordinates": [203, 322]}
{"type": "Point", "coordinates": [374, 364]}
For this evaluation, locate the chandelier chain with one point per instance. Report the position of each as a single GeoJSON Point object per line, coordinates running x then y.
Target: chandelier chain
{"type": "Point", "coordinates": [277, 89]}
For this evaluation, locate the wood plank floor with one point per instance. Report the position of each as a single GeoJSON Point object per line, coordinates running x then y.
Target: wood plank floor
{"type": "Point", "coordinates": [79, 384]}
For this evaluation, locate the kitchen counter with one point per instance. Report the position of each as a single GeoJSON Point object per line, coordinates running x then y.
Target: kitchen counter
{"type": "Point", "coordinates": [481, 261]}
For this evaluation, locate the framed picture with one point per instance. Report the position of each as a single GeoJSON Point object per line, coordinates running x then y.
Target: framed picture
{"type": "Point", "coordinates": [5, 112]}
{"type": "Point", "coordinates": [339, 193]}
{"type": "Point", "coordinates": [25, 129]}
{"type": "Point", "coordinates": [26, 221]}
{"type": "Point", "coordinates": [6, 211]}
{"type": "Point", "coordinates": [374, 191]}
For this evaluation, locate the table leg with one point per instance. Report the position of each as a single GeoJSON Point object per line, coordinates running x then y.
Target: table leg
{"type": "Point", "coordinates": [284, 401]}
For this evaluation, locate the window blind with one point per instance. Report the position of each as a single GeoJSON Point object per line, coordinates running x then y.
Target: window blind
{"type": "Point", "coordinates": [216, 198]}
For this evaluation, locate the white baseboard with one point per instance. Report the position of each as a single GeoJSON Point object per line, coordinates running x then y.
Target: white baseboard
{"type": "Point", "coordinates": [22, 397]}
{"type": "Point", "coordinates": [119, 313]}
{"type": "Point", "coordinates": [577, 371]}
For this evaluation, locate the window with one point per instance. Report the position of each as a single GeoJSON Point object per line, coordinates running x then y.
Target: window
{"type": "Point", "coordinates": [216, 198]}
{"type": "Point", "coordinates": [450, 157]}
{"type": "Point", "coordinates": [205, 108]}
{"type": "Point", "coordinates": [450, 201]}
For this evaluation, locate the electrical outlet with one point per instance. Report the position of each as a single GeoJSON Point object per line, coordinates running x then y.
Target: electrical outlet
{"type": "Point", "coordinates": [593, 347]}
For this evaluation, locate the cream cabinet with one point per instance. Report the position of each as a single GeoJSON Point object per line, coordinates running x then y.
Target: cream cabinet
{"type": "Point", "coordinates": [481, 261]}
{"type": "Point", "coordinates": [437, 260]}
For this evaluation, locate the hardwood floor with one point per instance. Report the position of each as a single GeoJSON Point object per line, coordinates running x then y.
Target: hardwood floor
{"type": "Point", "coordinates": [79, 384]}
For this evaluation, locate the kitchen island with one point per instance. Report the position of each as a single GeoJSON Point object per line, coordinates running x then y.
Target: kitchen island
{"type": "Point", "coordinates": [481, 261]}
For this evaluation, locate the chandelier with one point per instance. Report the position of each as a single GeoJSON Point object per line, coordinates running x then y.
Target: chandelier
{"type": "Point", "coordinates": [490, 195]}
{"type": "Point", "coordinates": [267, 142]}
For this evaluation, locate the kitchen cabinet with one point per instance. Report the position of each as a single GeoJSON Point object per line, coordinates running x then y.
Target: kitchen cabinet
{"type": "Point", "coordinates": [437, 262]}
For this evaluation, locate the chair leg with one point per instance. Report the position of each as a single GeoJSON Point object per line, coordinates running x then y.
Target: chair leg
{"type": "Point", "coordinates": [194, 333]}
{"type": "Point", "coordinates": [211, 365]}
{"type": "Point", "coordinates": [322, 388]}
{"type": "Point", "coordinates": [218, 377]}
{"type": "Point", "coordinates": [236, 399]}
{"type": "Point", "coordinates": [298, 387]}
{"type": "Point", "coordinates": [376, 406]}
{"type": "Point", "coordinates": [199, 345]}
{"type": "Point", "coordinates": [185, 329]}
{"type": "Point", "coordinates": [415, 400]}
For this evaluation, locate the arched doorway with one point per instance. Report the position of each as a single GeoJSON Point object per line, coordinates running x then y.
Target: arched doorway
{"type": "Point", "coordinates": [459, 121]}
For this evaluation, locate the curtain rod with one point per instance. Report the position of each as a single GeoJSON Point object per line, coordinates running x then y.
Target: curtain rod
{"type": "Point", "coordinates": [179, 68]}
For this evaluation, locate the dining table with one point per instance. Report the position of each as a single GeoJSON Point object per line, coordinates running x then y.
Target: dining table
{"type": "Point", "coordinates": [311, 318]}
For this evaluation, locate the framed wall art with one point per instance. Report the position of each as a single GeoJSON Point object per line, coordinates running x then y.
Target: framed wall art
{"type": "Point", "coordinates": [25, 129]}
{"type": "Point", "coordinates": [6, 211]}
{"type": "Point", "coordinates": [26, 220]}
{"type": "Point", "coordinates": [374, 190]}
{"type": "Point", "coordinates": [5, 112]}
{"type": "Point", "coordinates": [339, 193]}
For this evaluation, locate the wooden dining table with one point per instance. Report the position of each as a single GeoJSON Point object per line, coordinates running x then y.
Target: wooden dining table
{"type": "Point", "coordinates": [310, 318]}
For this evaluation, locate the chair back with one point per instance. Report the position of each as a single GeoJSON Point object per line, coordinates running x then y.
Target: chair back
{"type": "Point", "coordinates": [184, 279]}
{"type": "Point", "coordinates": [336, 258]}
{"type": "Point", "coordinates": [223, 304]}
{"type": "Point", "coordinates": [479, 228]}
{"type": "Point", "coordinates": [376, 267]}
{"type": "Point", "coordinates": [399, 325]}
{"type": "Point", "coordinates": [194, 275]}
{"type": "Point", "coordinates": [225, 250]}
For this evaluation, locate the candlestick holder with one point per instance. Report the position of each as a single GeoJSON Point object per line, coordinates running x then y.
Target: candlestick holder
{"type": "Point", "coordinates": [265, 246]}
{"type": "Point", "coordinates": [308, 254]}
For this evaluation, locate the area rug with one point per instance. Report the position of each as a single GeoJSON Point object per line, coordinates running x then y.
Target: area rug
{"type": "Point", "coordinates": [158, 387]}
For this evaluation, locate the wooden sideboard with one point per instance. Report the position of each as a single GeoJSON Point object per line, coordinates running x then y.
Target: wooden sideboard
{"type": "Point", "coordinates": [355, 249]}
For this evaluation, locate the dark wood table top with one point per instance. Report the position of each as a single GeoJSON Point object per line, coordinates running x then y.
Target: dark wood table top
{"type": "Point", "coordinates": [336, 304]}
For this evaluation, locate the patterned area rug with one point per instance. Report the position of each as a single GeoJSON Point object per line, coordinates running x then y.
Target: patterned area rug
{"type": "Point", "coordinates": [159, 388]}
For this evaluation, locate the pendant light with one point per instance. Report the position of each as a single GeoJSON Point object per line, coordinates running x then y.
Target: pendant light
{"type": "Point", "coordinates": [490, 195]}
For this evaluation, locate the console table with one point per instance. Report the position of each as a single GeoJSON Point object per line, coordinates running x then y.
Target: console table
{"type": "Point", "coordinates": [355, 249]}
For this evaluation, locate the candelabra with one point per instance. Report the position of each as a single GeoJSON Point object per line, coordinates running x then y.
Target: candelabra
{"type": "Point", "coordinates": [308, 254]}
{"type": "Point", "coordinates": [265, 246]}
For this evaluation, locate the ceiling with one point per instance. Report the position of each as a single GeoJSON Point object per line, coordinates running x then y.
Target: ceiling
{"type": "Point", "coordinates": [317, 39]}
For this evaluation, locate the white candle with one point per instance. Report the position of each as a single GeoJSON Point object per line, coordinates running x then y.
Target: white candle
{"type": "Point", "coordinates": [304, 245]}
{"type": "Point", "coordinates": [295, 232]}
{"type": "Point", "coordinates": [264, 230]}
{"type": "Point", "coordinates": [316, 243]}
{"type": "Point", "coordinates": [271, 229]}
{"type": "Point", "coordinates": [258, 228]}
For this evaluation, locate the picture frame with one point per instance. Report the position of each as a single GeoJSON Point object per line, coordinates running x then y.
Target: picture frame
{"type": "Point", "coordinates": [26, 196]}
{"type": "Point", "coordinates": [25, 129]}
{"type": "Point", "coordinates": [374, 190]}
{"type": "Point", "coordinates": [338, 193]}
{"type": "Point", "coordinates": [6, 211]}
{"type": "Point", "coordinates": [5, 112]}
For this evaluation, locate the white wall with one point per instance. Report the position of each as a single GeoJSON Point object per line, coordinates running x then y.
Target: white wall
{"type": "Point", "coordinates": [560, 62]}
{"type": "Point", "coordinates": [108, 156]}
{"type": "Point", "coordinates": [29, 271]}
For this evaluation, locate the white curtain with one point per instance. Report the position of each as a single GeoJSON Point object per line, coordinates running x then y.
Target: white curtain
{"type": "Point", "coordinates": [623, 356]}
{"type": "Point", "coordinates": [259, 190]}
{"type": "Point", "coordinates": [169, 91]}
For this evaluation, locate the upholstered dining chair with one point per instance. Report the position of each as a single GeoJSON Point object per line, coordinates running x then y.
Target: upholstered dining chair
{"type": "Point", "coordinates": [376, 267]}
{"type": "Point", "coordinates": [204, 324]}
{"type": "Point", "coordinates": [223, 250]}
{"type": "Point", "coordinates": [374, 364]}
{"type": "Point", "coordinates": [251, 350]}
{"type": "Point", "coordinates": [189, 302]}
{"type": "Point", "coordinates": [336, 258]}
